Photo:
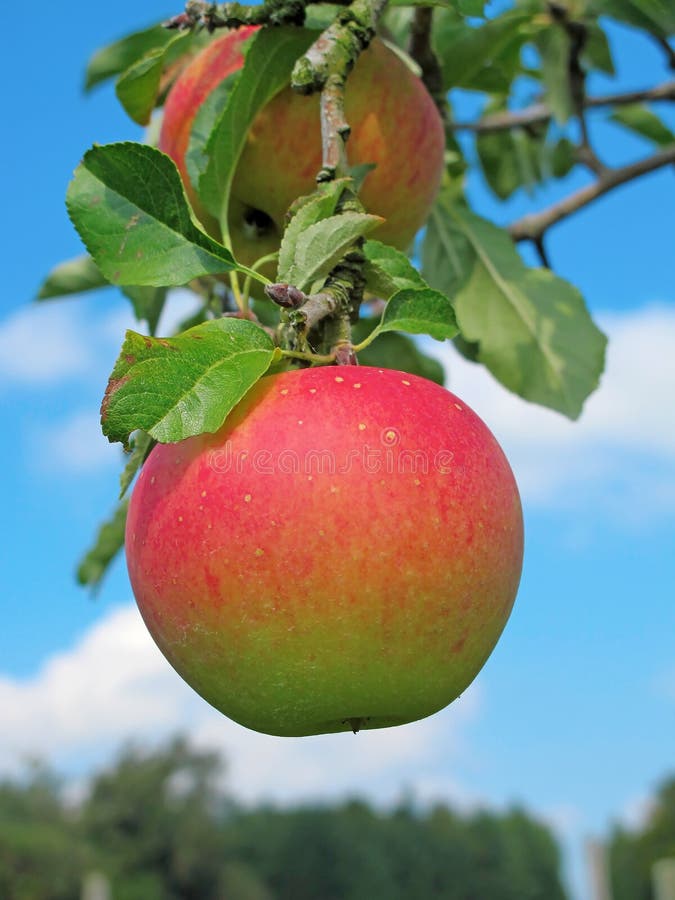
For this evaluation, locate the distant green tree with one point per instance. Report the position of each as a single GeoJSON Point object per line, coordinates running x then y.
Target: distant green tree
{"type": "Point", "coordinates": [42, 856]}
{"type": "Point", "coordinates": [153, 817]}
{"type": "Point", "coordinates": [634, 852]}
{"type": "Point", "coordinates": [351, 852]}
{"type": "Point", "coordinates": [159, 826]}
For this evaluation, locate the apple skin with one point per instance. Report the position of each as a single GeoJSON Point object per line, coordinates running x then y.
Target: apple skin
{"type": "Point", "coordinates": [394, 122]}
{"type": "Point", "coordinates": [344, 552]}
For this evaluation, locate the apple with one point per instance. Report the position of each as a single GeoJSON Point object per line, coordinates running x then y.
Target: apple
{"type": "Point", "coordinates": [343, 553]}
{"type": "Point", "coordinates": [394, 122]}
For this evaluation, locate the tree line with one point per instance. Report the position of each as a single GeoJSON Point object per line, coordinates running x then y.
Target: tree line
{"type": "Point", "coordinates": [160, 826]}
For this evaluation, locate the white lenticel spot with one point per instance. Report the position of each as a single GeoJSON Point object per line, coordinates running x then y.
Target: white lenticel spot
{"type": "Point", "coordinates": [362, 427]}
{"type": "Point", "coordinates": [299, 421]}
{"type": "Point", "coordinates": [180, 518]}
{"type": "Point", "coordinates": [283, 392]}
{"type": "Point", "coordinates": [247, 498]}
{"type": "Point", "coordinates": [259, 552]}
{"type": "Point", "coordinates": [407, 383]}
{"type": "Point", "coordinates": [152, 480]}
{"type": "Point", "coordinates": [203, 493]}
{"type": "Point", "coordinates": [457, 406]}
{"type": "Point", "coordinates": [339, 379]}
{"type": "Point", "coordinates": [356, 385]}
{"type": "Point", "coordinates": [312, 390]}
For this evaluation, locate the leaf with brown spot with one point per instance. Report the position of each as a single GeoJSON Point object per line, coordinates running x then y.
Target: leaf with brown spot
{"type": "Point", "coordinates": [174, 388]}
{"type": "Point", "coordinates": [129, 206]}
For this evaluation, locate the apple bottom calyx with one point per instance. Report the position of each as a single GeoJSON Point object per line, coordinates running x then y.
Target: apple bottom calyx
{"type": "Point", "coordinates": [409, 529]}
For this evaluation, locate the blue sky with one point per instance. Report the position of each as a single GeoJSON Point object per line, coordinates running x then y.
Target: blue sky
{"type": "Point", "coordinates": [574, 714]}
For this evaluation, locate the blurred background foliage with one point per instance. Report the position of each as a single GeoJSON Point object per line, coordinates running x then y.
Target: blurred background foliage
{"type": "Point", "coordinates": [161, 824]}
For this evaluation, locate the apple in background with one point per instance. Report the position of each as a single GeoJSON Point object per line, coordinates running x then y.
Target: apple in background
{"type": "Point", "coordinates": [344, 553]}
{"type": "Point", "coordinates": [394, 122]}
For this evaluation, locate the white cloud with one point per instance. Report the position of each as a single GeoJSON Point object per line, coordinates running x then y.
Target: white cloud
{"type": "Point", "coordinates": [42, 345]}
{"type": "Point", "coordinates": [620, 456]}
{"type": "Point", "coordinates": [114, 685]}
{"type": "Point", "coordinates": [48, 343]}
{"type": "Point", "coordinates": [637, 811]}
{"type": "Point", "coordinates": [45, 345]}
{"type": "Point", "coordinates": [75, 445]}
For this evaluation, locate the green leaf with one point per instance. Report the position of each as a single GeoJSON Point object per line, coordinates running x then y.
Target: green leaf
{"type": "Point", "coordinates": [597, 54]}
{"type": "Point", "coordinates": [267, 69]}
{"type": "Point", "coordinates": [388, 270]}
{"type": "Point", "coordinates": [82, 274]}
{"type": "Point", "coordinates": [318, 206]}
{"type": "Point", "coordinates": [319, 16]}
{"type": "Point", "coordinates": [447, 254]}
{"type": "Point", "coordinates": [483, 58]}
{"type": "Point", "coordinates": [533, 329]}
{"type": "Point", "coordinates": [472, 8]}
{"type": "Point", "coordinates": [174, 388]}
{"type": "Point", "coordinates": [138, 87]}
{"type": "Point", "coordinates": [554, 48]}
{"type": "Point", "coordinates": [321, 246]}
{"type": "Point", "coordinates": [656, 16]}
{"type": "Point", "coordinates": [128, 205]}
{"type": "Point", "coordinates": [393, 350]}
{"type": "Point", "coordinates": [109, 541]}
{"type": "Point", "coordinates": [449, 4]}
{"type": "Point", "coordinates": [560, 157]}
{"type": "Point", "coordinates": [510, 159]}
{"type": "Point", "coordinates": [643, 121]}
{"type": "Point", "coordinates": [205, 120]}
{"type": "Point", "coordinates": [147, 302]}
{"type": "Point", "coordinates": [75, 276]}
{"type": "Point", "coordinates": [115, 58]}
{"type": "Point", "coordinates": [418, 311]}
{"type": "Point", "coordinates": [141, 444]}
{"type": "Point", "coordinates": [359, 173]}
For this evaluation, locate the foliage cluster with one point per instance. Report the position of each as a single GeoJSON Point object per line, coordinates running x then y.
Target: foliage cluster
{"type": "Point", "coordinates": [635, 852]}
{"type": "Point", "coordinates": [159, 827]}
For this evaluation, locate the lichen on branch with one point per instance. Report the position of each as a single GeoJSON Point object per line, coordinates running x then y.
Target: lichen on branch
{"type": "Point", "coordinates": [325, 68]}
{"type": "Point", "coordinates": [233, 15]}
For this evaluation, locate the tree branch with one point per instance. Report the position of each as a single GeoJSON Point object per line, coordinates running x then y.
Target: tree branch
{"type": "Point", "coordinates": [668, 50]}
{"type": "Point", "coordinates": [322, 320]}
{"type": "Point", "coordinates": [577, 34]}
{"type": "Point", "coordinates": [232, 15]}
{"type": "Point", "coordinates": [325, 68]}
{"type": "Point", "coordinates": [540, 113]}
{"type": "Point", "coordinates": [532, 227]}
{"type": "Point", "coordinates": [420, 49]}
